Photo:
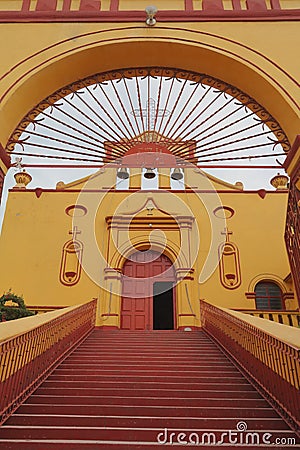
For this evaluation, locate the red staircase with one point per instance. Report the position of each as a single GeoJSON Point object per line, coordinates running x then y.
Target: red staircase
{"type": "Point", "coordinates": [120, 390]}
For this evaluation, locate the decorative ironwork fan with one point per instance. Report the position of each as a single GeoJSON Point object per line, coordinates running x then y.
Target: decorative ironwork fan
{"type": "Point", "coordinates": [98, 119]}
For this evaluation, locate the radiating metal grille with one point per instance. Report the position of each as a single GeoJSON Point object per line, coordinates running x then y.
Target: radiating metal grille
{"type": "Point", "coordinates": [101, 117]}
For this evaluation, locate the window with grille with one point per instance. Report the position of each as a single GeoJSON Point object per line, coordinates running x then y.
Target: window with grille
{"type": "Point", "coordinates": [268, 296]}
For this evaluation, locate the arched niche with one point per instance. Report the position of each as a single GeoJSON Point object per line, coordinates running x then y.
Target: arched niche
{"type": "Point", "coordinates": [171, 250]}
{"type": "Point", "coordinates": [70, 269]}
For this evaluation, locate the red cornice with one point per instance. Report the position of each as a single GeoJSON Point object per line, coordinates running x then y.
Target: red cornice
{"type": "Point", "coordinates": [5, 158]}
{"type": "Point", "coordinates": [139, 16]}
{"type": "Point", "coordinates": [155, 191]}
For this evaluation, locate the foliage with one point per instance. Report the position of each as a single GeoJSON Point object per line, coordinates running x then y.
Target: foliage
{"type": "Point", "coordinates": [8, 312]}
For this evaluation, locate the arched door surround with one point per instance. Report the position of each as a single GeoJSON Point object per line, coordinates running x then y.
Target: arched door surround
{"type": "Point", "coordinates": [148, 300]}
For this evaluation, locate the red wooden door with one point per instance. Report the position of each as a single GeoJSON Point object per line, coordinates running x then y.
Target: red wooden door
{"type": "Point", "coordinates": [140, 272]}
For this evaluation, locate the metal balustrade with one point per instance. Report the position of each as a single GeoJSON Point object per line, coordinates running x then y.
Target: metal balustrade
{"type": "Point", "coordinates": [291, 318]}
{"type": "Point", "coordinates": [272, 364]}
{"type": "Point", "coordinates": [27, 358]}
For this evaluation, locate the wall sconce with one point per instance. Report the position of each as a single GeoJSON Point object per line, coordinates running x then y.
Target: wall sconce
{"type": "Point", "coordinates": [151, 11]}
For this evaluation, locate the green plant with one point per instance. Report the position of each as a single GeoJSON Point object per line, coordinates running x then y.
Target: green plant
{"type": "Point", "coordinates": [11, 312]}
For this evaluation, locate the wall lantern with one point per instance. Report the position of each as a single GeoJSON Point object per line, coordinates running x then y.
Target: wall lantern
{"type": "Point", "coordinates": [151, 11]}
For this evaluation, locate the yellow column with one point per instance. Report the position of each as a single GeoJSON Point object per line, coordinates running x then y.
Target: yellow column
{"type": "Point", "coordinates": [110, 310]}
{"type": "Point", "coordinates": [186, 311]}
{"type": "Point", "coordinates": [135, 179]}
{"type": "Point", "coordinates": [164, 178]}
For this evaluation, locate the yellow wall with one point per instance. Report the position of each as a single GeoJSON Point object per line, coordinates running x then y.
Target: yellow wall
{"type": "Point", "coordinates": [36, 229]}
{"type": "Point", "coordinates": [259, 58]}
{"type": "Point", "coordinates": [39, 58]}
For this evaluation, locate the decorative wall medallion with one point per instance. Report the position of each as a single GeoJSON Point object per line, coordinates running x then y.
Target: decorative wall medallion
{"type": "Point", "coordinates": [230, 272]}
{"type": "Point", "coordinates": [224, 212]}
{"type": "Point", "coordinates": [76, 210]}
{"type": "Point", "coordinates": [70, 268]}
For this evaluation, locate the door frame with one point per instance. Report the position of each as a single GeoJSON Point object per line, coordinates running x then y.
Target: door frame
{"type": "Point", "coordinates": [174, 303]}
{"type": "Point", "coordinates": [155, 279]}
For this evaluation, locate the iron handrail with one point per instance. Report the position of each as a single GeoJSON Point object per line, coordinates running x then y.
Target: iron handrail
{"type": "Point", "coordinates": [27, 358]}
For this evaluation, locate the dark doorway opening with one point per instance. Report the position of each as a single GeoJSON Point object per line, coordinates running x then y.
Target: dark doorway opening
{"type": "Point", "coordinates": [163, 307]}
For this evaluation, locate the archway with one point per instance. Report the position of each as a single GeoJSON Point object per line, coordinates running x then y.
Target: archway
{"type": "Point", "coordinates": [148, 294]}
{"type": "Point", "coordinates": [112, 50]}
{"type": "Point", "coordinates": [102, 51]}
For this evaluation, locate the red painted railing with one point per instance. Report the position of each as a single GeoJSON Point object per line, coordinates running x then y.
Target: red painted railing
{"type": "Point", "coordinates": [272, 364]}
{"type": "Point", "coordinates": [292, 234]}
{"type": "Point", "coordinates": [286, 317]}
{"type": "Point", "coordinates": [28, 358]}
{"type": "Point", "coordinates": [114, 5]}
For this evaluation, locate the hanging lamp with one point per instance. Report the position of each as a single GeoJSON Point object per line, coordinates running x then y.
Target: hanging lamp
{"type": "Point", "coordinates": [177, 174]}
{"type": "Point", "coordinates": [149, 174]}
{"type": "Point", "coordinates": [123, 173]}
